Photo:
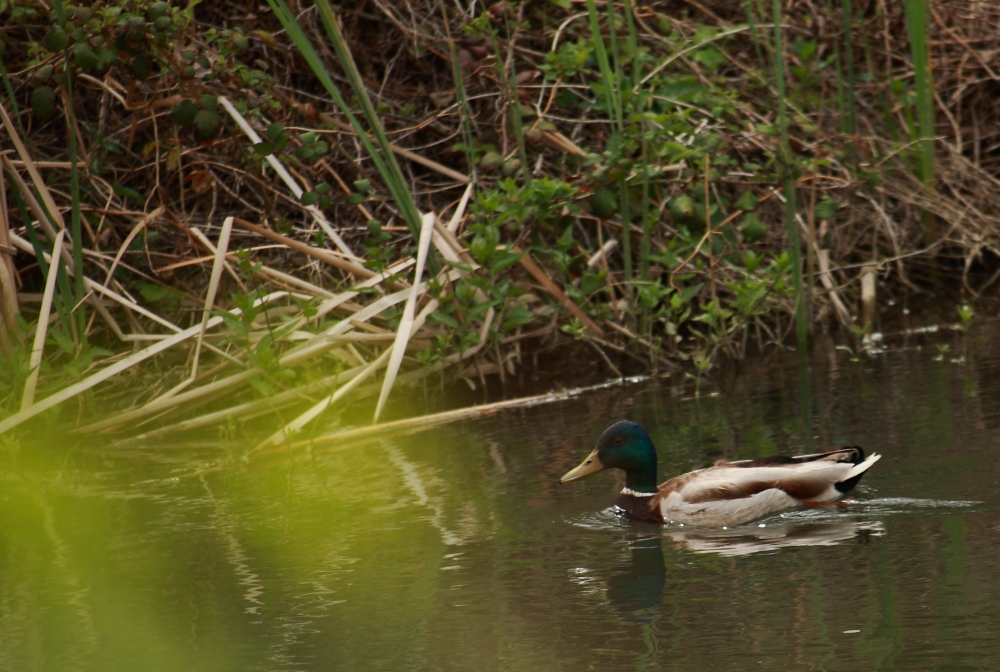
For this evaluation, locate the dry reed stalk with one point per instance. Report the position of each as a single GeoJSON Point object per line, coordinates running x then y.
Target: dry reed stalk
{"type": "Point", "coordinates": [325, 256]}
{"type": "Point", "coordinates": [34, 365]}
{"type": "Point", "coordinates": [49, 225]}
{"type": "Point", "coordinates": [314, 347]}
{"type": "Point", "coordinates": [539, 274]}
{"type": "Point", "coordinates": [606, 249]}
{"type": "Point", "coordinates": [406, 323]}
{"type": "Point", "coordinates": [456, 217]}
{"type": "Point", "coordinates": [29, 165]}
{"type": "Point", "coordinates": [301, 421]}
{"type": "Point", "coordinates": [427, 421]}
{"type": "Point", "coordinates": [396, 149]}
{"type": "Point", "coordinates": [9, 309]}
{"type": "Point", "coordinates": [287, 178]}
{"type": "Point", "coordinates": [93, 286]}
{"type": "Point", "coordinates": [112, 370]}
{"type": "Point", "coordinates": [136, 230]}
{"type": "Point", "coordinates": [207, 244]}
{"type": "Point", "coordinates": [213, 287]}
{"type": "Point", "coordinates": [251, 409]}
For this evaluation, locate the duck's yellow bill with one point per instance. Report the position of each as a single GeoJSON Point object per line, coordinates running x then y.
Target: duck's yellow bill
{"type": "Point", "coordinates": [589, 466]}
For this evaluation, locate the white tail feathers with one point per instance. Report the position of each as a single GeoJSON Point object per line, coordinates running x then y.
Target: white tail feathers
{"type": "Point", "coordinates": [862, 467]}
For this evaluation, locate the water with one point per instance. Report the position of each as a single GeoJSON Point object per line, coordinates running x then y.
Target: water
{"type": "Point", "coordinates": [457, 549]}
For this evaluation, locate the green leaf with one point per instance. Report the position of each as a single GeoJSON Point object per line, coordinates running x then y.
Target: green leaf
{"type": "Point", "coordinates": [206, 122]}
{"type": "Point", "coordinates": [690, 292]}
{"type": "Point", "coordinates": [490, 160]}
{"type": "Point", "coordinates": [84, 55]}
{"type": "Point", "coordinates": [477, 311]}
{"type": "Point", "coordinates": [43, 101]}
{"type": "Point", "coordinates": [184, 113]}
{"type": "Point", "coordinates": [355, 199]}
{"type": "Point", "coordinates": [309, 198]}
{"type": "Point", "coordinates": [273, 131]}
{"type": "Point", "coordinates": [57, 40]}
{"type": "Point", "coordinates": [154, 293]}
{"type": "Point", "coordinates": [826, 208]}
{"type": "Point", "coordinates": [461, 265]}
{"type": "Point", "coordinates": [681, 207]}
{"type": "Point", "coordinates": [517, 316]}
{"type": "Point", "coordinates": [106, 57]}
{"type": "Point", "coordinates": [752, 228]}
{"type": "Point", "coordinates": [64, 342]}
{"type": "Point", "coordinates": [140, 66]}
{"type": "Point", "coordinates": [362, 186]}
{"type": "Point", "coordinates": [710, 57]}
{"type": "Point", "coordinates": [443, 318]}
{"type": "Point", "coordinates": [603, 202]}
{"type": "Point", "coordinates": [127, 192]}
{"type": "Point", "coordinates": [209, 102]}
{"type": "Point", "coordinates": [747, 201]}
{"type": "Point", "coordinates": [505, 261]}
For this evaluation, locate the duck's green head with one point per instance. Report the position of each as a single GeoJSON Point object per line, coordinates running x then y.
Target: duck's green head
{"type": "Point", "coordinates": [624, 445]}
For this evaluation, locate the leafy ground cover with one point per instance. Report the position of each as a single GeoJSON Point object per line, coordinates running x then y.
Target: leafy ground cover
{"type": "Point", "coordinates": [282, 206]}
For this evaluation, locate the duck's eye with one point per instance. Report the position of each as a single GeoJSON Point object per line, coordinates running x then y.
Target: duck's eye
{"type": "Point", "coordinates": [618, 441]}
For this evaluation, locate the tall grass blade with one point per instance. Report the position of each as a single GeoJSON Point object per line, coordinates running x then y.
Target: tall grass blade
{"type": "Point", "coordinates": [850, 126]}
{"type": "Point", "coordinates": [613, 103]}
{"type": "Point", "coordinates": [460, 94]}
{"type": "Point", "coordinates": [392, 173]}
{"type": "Point", "coordinates": [384, 160]}
{"type": "Point", "coordinates": [75, 220]}
{"type": "Point", "coordinates": [509, 81]}
{"type": "Point", "coordinates": [791, 225]}
{"type": "Point", "coordinates": [916, 24]}
{"type": "Point", "coordinates": [633, 40]}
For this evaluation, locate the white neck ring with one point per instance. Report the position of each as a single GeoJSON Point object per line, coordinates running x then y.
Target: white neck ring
{"type": "Point", "coordinates": [633, 493]}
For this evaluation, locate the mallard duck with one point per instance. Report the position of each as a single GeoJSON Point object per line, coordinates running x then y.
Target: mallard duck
{"type": "Point", "coordinates": [728, 493]}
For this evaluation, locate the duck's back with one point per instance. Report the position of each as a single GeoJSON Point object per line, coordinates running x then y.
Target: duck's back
{"type": "Point", "coordinates": [731, 493]}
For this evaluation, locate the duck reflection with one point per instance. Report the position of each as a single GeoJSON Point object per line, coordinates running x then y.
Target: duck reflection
{"type": "Point", "coordinates": [771, 537]}
{"type": "Point", "coordinates": [639, 584]}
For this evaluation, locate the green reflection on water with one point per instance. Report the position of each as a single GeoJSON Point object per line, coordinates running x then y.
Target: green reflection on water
{"type": "Point", "coordinates": [457, 549]}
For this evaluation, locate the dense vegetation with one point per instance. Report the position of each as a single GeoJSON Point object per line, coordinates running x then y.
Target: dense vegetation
{"type": "Point", "coordinates": [660, 183]}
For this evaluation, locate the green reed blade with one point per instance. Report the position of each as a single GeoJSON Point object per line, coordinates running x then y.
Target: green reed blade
{"type": "Point", "coordinates": [460, 95]}
{"type": "Point", "coordinates": [613, 103]}
{"type": "Point", "coordinates": [381, 156]}
{"type": "Point", "coordinates": [633, 39]}
{"type": "Point", "coordinates": [850, 126]}
{"type": "Point", "coordinates": [43, 266]}
{"type": "Point", "coordinates": [916, 23]}
{"type": "Point", "coordinates": [76, 217]}
{"type": "Point", "coordinates": [791, 226]}
{"type": "Point", "coordinates": [514, 100]}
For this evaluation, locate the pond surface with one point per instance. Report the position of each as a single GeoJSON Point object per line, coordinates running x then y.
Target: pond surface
{"type": "Point", "coordinates": [456, 548]}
